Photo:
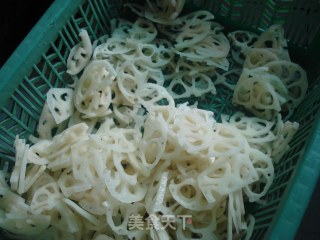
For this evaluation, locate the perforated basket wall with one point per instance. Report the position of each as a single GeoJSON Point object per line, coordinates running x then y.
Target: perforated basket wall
{"type": "Point", "coordinates": [40, 63]}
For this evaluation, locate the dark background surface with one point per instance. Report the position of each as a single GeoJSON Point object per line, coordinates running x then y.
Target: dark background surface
{"type": "Point", "coordinates": [17, 19]}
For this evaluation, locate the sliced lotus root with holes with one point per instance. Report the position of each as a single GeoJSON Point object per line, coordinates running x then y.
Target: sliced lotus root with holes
{"type": "Point", "coordinates": [24, 224]}
{"type": "Point", "coordinates": [126, 168]}
{"type": "Point", "coordinates": [255, 130]}
{"type": "Point", "coordinates": [263, 165]}
{"type": "Point", "coordinates": [129, 116]}
{"type": "Point", "coordinates": [211, 46]}
{"type": "Point", "coordinates": [200, 230]}
{"type": "Point", "coordinates": [61, 143]}
{"type": "Point", "coordinates": [89, 160]}
{"type": "Point", "coordinates": [192, 33]}
{"type": "Point", "coordinates": [180, 86]}
{"type": "Point", "coordinates": [151, 74]}
{"type": "Point", "coordinates": [193, 129]}
{"type": "Point", "coordinates": [100, 40]}
{"type": "Point", "coordinates": [194, 54]}
{"type": "Point", "coordinates": [158, 192]}
{"type": "Point", "coordinates": [121, 190]}
{"type": "Point", "coordinates": [130, 77]}
{"type": "Point", "coordinates": [45, 197]}
{"type": "Point", "coordinates": [155, 75]}
{"type": "Point", "coordinates": [43, 179]}
{"type": "Point", "coordinates": [237, 57]}
{"type": "Point", "coordinates": [260, 92]}
{"type": "Point", "coordinates": [226, 176]}
{"type": "Point", "coordinates": [81, 212]}
{"type": "Point", "coordinates": [117, 139]}
{"type": "Point", "coordinates": [258, 57]}
{"type": "Point", "coordinates": [112, 59]}
{"type": "Point", "coordinates": [153, 56]}
{"type": "Point", "coordinates": [273, 39]}
{"type": "Point", "coordinates": [221, 63]}
{"type": "Point", "coordinates": [242, 40]}
{"type": "Point", "coordinates": [183, 85]}
{"type": "Point", "coordinates": [80, 54]}
{"type": "Point", "coordinates": [284, 132]}
{"type": "Point", "coordinates": [171, 31]}
{"type": "Point", "coordinates": [192, 68]}
{"type": "Point", "coordinates": [121, 114]}
{"type": "Point", "coordinates": [93, 201]}
{"type": "Point", "coordinates": [199, 53]}
{"type": "Point", "coordinates": [179, 29]}
{"type": "Point", "coordinates": [142, 31]}
{"type": "Point", "coordinates": [236, 212]}
{"type": "Point", "coordinates": [118, 216]}
{"type": "Point", "coordinates": [68, 137]}
{"type": "Point", "coordinates": [154, 139]}
{"type": "Point", "coordinates": [33, 173]}
{"type": "Point", "coordinates": [172, 150]}
{"type": "Point", "coordinates": [93, 93]}
{"type": "Point", "coordinates": [122, 171]}
{"type": "Point", "coordinates": [294, 78]}
{"type": "Point", "coordinates": [191, 163]}
{"type": "Point", "coordinates": [176, 147]}
{"type": "Point", "coordinates": [142, 234]}
{"type": "Point", "coordinates": [64, 219]}
{"type": "Point", "coordinates": [152, 95]}
{"type": "Point", "coordinates": [78, 117]}
{"type": "Point", "coordinates": [156, 18]}
{"type": "Point", "coordinates": [164, 56]}
{"type": "Point", "coordinates": [61, 160]}
{"type": "Point", "coordinates": [127, 56]}
{"type": "Point", "coordinates": [11, 202]}
{"type": "Point", "coordinates": [188, 194]}
{"type": "Point", "coordinates": [226, 142]}
{"type": "Point", "coordinates": [163, 42]}
{"type": "Point", "coordinates": [69, 185]}
{"type": "Point", "coordinates": [60, 103]}
{"type": "Point", "coordinates": [17, 178]}
{"type": "Point", "coordinates": [201, 15]}
{"type": "Point", "coordinates": [113, 45]}
{"type": "Point", "coordinates": [120, 27]}
{"type": "Point", "coordinates": [46, 123]}
{"type": "Point", "coordinates": [214, 45]}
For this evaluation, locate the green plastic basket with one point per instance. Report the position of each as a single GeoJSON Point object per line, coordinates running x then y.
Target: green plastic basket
{"type": "Point", "coordinates": [40, 63]}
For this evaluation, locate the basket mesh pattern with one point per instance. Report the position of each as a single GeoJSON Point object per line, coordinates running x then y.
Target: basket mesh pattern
{"type": "Point", "coordinates": [20, 114]}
